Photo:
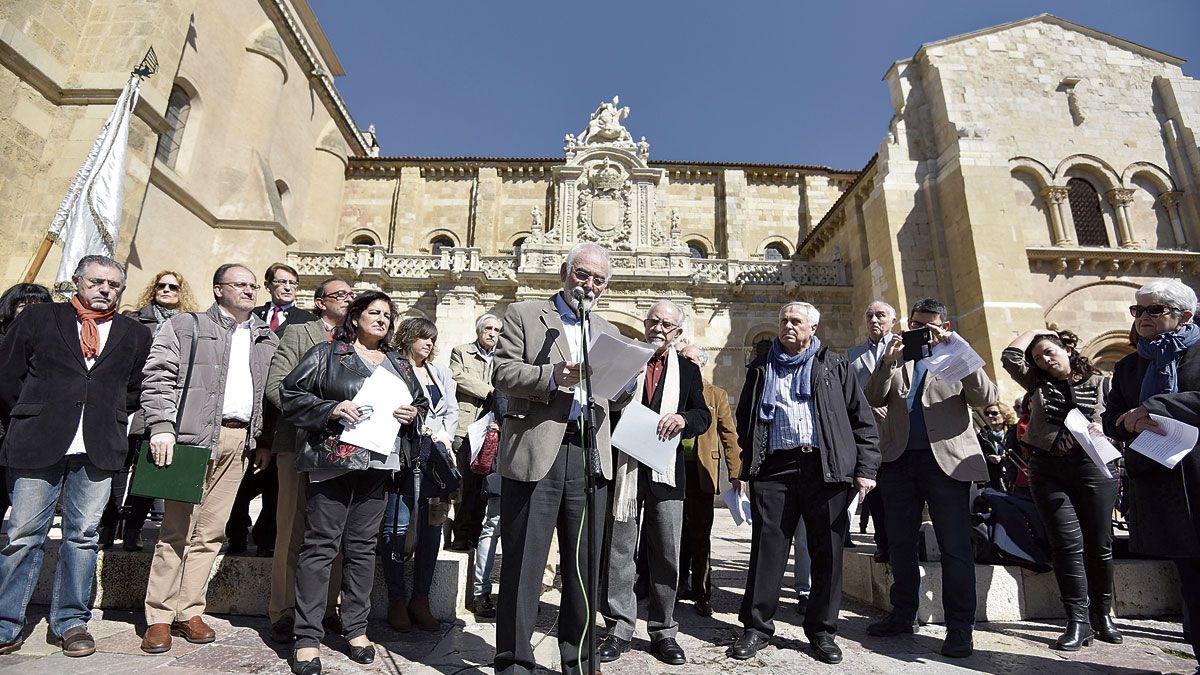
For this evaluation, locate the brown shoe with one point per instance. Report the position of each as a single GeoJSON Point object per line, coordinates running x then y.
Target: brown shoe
{"type": "Point", "coordinates": [194, 630]}
{"type": "Point", "coordinates": [398, 616]}
{"type": "Point", "coordinates": [157, 638]}
{"type": "Point", "coordinates": [10, 647]}
{"type": "Point", "coordinates": [75, 641]}
{"type": "Point", "coordinates": [418, 610]}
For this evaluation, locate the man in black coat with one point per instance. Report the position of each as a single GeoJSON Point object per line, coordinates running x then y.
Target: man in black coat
{"type": "Point", "coordinates": [673, 388]}
{"type": "Point", "coordinates": [70, 376]}
{"type": "Point", "coordinates": [809, 445]}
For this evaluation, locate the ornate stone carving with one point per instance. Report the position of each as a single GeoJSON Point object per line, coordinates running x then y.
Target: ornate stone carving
{"type": "Point", "coordinates": [643, 149]}
{"type": "Point", "coordinates": [674, 223]}
{"type": "Point", "coordinates": [604, 208]}
{"type": "Point", "coordinates": [605, 126]}
{"type": "Point", "coordinates": [1054, 195]}
{"type": "Point", "coordinates": [535, 224]}
{"type": "Point", "coordinates": [1120, 196]}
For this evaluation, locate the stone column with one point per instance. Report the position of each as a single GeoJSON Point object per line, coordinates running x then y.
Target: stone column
{"type": "Point", "coordinates": [1120, 199]}
{"type": "Point", "coordinates": [1055, 196]}
{"type": "Point", "coordinates": [1171, 203]}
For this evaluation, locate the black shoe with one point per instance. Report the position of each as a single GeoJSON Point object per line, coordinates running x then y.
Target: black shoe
{"type": "Point", "coordinates": [133, 540]}
{"type": "Point", "coordinates": [892, 625]}
{"type": "Point", "coordinates": [880, 557]}
{"type": "Point", "coordinates": [106, 535]}
{"type": "Point", "coordinates": [611, 648]}
{"type": "Point", "coordinates": [704, 607]}
{"type": "Point", "coordinates": [1105, 630]}
{"type": "Point", "coordinates": [282, 631]}
{"type": "Point", "coordinates": [1077, 635]}
{"type": "Point", "coordinates": [264, 551]}
{"type": "Point", "coordinates": [958, 643]}
{"type": "Point", "coordinates": [236, 547]}
{"type": "Point", "coordinates": [459, 546]}
{"type": "Point", "coordinates": [312, 667]}
{"type": "Point", "coordinates": [824, 648]}
{"type": "Point", "coordinates": [802, 605]}
{"type": "Point", "coordinates": [669, 652]}
{"type": "Point", "coordinates": [484, 607]}
{"type": "Point", "coordinates": [849, 543]}
{"type": "Point", "coordinates": [333, 625]}
{"type": "Point", "coordinates": [746, 646]}
{"type": "Point", "coordinates": [363, 655]}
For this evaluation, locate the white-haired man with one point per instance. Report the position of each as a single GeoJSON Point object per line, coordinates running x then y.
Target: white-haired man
{"type": "Point", "coordinates": [673, 388]}
{"type": "Point", "coordinates": [879, 319]}
{"type": "Point", "coordinates": [808, 446]}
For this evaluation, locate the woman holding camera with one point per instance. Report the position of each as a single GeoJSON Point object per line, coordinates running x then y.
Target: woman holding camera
{"type": "Point", "coordinates": [1074, 495]}
{"type": "Point", "coordinates": [346, 483]}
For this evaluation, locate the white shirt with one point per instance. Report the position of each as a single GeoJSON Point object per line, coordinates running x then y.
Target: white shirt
{"type": "Point", "coordinates": [103, 328]}
{"type": "Point", "coordinates": [239, 388]}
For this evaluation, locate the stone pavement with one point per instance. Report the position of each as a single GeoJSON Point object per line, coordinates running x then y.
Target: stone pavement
{"type": "Point", "coordinates": [1152, 646]}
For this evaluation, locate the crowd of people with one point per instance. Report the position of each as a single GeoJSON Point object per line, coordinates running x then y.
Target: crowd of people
{"type": "Point", "coordinates": [268, 392]}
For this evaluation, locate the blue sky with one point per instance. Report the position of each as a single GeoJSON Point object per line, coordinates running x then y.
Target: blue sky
{"type": "Point", "coordinates": [748, 81]}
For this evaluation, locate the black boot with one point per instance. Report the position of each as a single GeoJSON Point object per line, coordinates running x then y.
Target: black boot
{"type": "Point", "coordinates": [1105, 629]}
{"type": "Point", "coordinates": [1077, 635]}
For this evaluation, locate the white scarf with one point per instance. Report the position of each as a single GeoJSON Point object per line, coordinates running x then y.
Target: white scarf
{"type": "Point", "coordinates": [625, 472]}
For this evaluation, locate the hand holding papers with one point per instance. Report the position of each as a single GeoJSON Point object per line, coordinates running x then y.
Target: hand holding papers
{"type": "Point", "coordinates": [637, 435]}
{"type": "Point", "coordinates": [1166, 449]}
{"type": "Point", "coordinates": [384, 392]}
{"type": "Point", "coordinates": [954, 360]}
{"type": "Point", "coordinates": [614, 363]}
{"type": "Point", "coordinates": [477, 431]}
{"type": "Point", "coordinates": [738, 505]}
{"type": "Point", "coordinates": [1095, 445]}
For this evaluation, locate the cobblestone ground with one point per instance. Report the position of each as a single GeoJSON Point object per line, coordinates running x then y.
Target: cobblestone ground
{"type": "Point", "coordinates": [1151, 646]}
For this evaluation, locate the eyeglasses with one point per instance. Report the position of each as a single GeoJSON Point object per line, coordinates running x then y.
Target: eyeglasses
{"type": "Point", "coordinates": [94, 283]}
{"type": "Point", "coordinates": [240, 285]}
{"type": "Point", "coordinates": [666, 325]}
{"type": "Point", "coordinates": [913, 324]}
{"type": "Point", "coordinates": [992, 413]}
{"type": "Point", "coordinates": [582, 276]}
{"type": "Point", "coordinates": [340, 295]}
{"type": "Point", "coordinates": [166, 287]}
{"type": "Point", "coordinates": [1156, 311]}
{"type": "Point", "coordinates": [285, 282]}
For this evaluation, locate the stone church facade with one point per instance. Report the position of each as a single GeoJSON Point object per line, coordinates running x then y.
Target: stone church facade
{"type": "Point", "coordinates": [1033, 173]}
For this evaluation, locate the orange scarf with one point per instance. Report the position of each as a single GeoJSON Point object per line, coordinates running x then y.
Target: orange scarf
{"type": "Point", "coordinates": [89, 335]}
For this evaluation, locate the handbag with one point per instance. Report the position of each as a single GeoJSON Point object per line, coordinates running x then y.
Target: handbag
{"type": "Point", "coordinates": [485, 460]}
{"type": "Point", "coordinates": [324, 450]}
{"type": "Point", "coordinates": [441, 469]}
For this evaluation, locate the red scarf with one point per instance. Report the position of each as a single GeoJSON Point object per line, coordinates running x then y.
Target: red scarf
{"type": "Point", "coordinates": [89, 335]}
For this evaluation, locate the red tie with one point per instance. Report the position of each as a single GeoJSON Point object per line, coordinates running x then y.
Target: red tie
{"type": "Point", "coordinates": [275, 312]}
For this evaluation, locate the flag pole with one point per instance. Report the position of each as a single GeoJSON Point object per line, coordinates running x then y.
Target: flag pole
{"type": "Point", "coordinates": [145, 68]}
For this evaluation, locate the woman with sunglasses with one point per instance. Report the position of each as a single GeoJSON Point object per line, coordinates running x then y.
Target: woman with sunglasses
{"type": "Point", "coordinates": [997, 437]}
{"type": "Point", "coordinates": [163, 298]}
{"type": "Point", "coordinates": [1164, 515]}
{"type": "Point", "coordinates": [1074, 495]}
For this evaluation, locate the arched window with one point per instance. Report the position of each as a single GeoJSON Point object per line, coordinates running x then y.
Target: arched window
{"type": "Point", "coordinates": [775, 251]}
{"type": "Point", "coordinates": [517, 247]}
{"type": "Point", "coordinates": [1085, 211]}
{"type": "Point", "coordinates": [363, 240]}
{"type": "Point", "coordinates": [440, 243]}
{"type": "Point", "coordinates": [285, 194]}
{"type": "Point", "coordinates": [697, 249]}
{"type": "Point", "coordinates": [178, 107]}
{"type": "Point", "coordinates": [761, 346]}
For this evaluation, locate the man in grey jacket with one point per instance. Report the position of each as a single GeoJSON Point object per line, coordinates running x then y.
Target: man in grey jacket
{"type": "Point", "coordinates": [222, 412]}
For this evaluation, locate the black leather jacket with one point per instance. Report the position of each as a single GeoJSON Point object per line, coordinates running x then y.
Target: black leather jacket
{"type": "Point", "coordinates": [312, 390]}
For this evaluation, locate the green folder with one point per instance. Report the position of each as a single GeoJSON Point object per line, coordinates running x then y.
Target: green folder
{"type": "Point", "coordinates": [182, 480]}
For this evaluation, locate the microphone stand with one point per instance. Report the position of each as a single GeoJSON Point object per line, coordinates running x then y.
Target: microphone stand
{"type": "Point", "coordinates": [592, 471]}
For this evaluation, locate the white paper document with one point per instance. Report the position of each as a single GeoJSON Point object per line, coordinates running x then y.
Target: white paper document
{"type": "Point", "coordinates": [477, 431]}
{"type": "Point", "coordinates": [1096, 446]}
{"type": "Point", "coordinates": [852, 510]}
{"type": "Point", "coordinates": [1167, 450]}
{"type": "Point", "coordinates": [614, 363]}
{"type": "Point", "coordinates": [384, 392]}
{"type": "Point", "coordinates": [954, 361]}
{"type": "Point", "coordinates": [738, 505]}
{"type": "Point", "coordinates": [637, 436]}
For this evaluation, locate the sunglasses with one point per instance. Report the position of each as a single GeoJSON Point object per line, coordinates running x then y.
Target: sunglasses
{"type": "Point", "coordinates": [992, 413]}
{"type": "Point", "coordinates": [166, 287]}
{"type": "Point", "coordinates": [1137, 311]}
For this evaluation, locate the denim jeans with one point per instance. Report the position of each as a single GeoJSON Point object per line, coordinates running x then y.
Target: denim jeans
{"type": "Point", "coordinates": [34, 492]}
{"type": "Point", "coordinates": [485, 551]}
{"type": "Point", "coordinates": [397, 516]}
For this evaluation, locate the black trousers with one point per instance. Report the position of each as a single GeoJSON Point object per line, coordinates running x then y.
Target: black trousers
{"type": "Point", "coordinates": [342, 514]}
{"type": "Point", "coordinates": [695, 546]}
{"type": "Point", "coordinates": [911, 481]}
{"type": "Point", "coordinates": [790, 485]}
{"type": "Point", "coordinates": [468, 515]}
{"type": "Point", "coordinates": [872, 507]}
{"type": "Point", "coordinates": [1075, 501]}
{"type": "Point", "coordinates": [530, 511]}
{"type": "Point", "coordinates": [254, 484]}
{"type": "Point", "coordinates": [1189, 589]}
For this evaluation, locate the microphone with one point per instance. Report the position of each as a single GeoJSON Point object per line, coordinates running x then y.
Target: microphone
{"type": "Point", "coordinates": [581, 298]}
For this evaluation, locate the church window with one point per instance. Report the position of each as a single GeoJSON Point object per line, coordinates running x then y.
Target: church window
{"type": "Point", "coordinates": [775, 251]}
{"type": "Point", "coordinates": [178, 106]}
{"type": "Point", "coordinates": [697, 250]}
{"type": "Point", "coordinates": [363, 240]}
{"type": "Point", "coordinates": [440, 243]}
{"type": "Point", "coordinates": [1085, 211]}
{"type": "Point", "coordinates": [517, 247]}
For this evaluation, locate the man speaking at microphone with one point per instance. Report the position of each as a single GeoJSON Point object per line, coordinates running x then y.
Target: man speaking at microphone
{"type": "Point", "coordinates": [541, 461]}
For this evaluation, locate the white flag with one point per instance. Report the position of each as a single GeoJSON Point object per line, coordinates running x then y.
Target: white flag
{"type": "Point", "coordinates": [89, 218]}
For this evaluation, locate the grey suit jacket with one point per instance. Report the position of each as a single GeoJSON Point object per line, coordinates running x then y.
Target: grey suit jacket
{"type": "Point", "coordinates": [533, 428]}
{"type": "Point", "coordinates": [861, 364]}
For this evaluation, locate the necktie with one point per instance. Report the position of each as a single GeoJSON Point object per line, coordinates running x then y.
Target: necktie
{"type": "Point", "coordinates": [275, 312]}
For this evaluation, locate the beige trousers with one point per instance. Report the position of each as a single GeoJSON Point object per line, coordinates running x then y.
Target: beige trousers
{"type": "Point", "coordinates": [289, 534]}
{"type": "Point", "coordinates": [191, 536]}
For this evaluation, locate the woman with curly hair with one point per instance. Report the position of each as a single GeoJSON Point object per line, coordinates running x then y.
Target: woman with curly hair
{"type": "Point", "coordinates": [163, 298]}
{"type": "Point", "coordinates": [1074, 496]}
{"type": "Point", "coordinates": [996, 438]}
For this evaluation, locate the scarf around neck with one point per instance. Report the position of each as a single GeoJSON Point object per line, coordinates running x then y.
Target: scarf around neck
{"type": "Point", "coordinates": [89, 335]}
{"type": "Point", "coordinates": [1163, 352]}
{"type": "Point", "coordinates": [779, 364]}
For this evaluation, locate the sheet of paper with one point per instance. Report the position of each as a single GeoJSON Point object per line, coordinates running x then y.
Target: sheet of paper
{"type": "Point", "coordinates": [738, 505]}
{"type": "Point", "coordinates": [1167, 450]}
{"type": "Point", "coordinates": [384, 392]}
{"type": "Point", "coordinates": [614, 363]}
{"type": "Point", "coordinates": [852, 510]}
{"type": "Point", "coordinates": [637, 436]}
{"type": "Point", "coordinates": [477, 430]}
{"type": "Point", "coordinates": [1096, 446]}
{"type": "Point", "coordinates": [954, 361]}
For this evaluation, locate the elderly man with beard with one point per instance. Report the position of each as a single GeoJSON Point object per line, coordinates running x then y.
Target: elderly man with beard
{"type": "Point", "coordinates": [672, 387]}
{"type": "Point", "coordinates": [70, 375]}
{"type": "Point", "coordinates": [541, 461]}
